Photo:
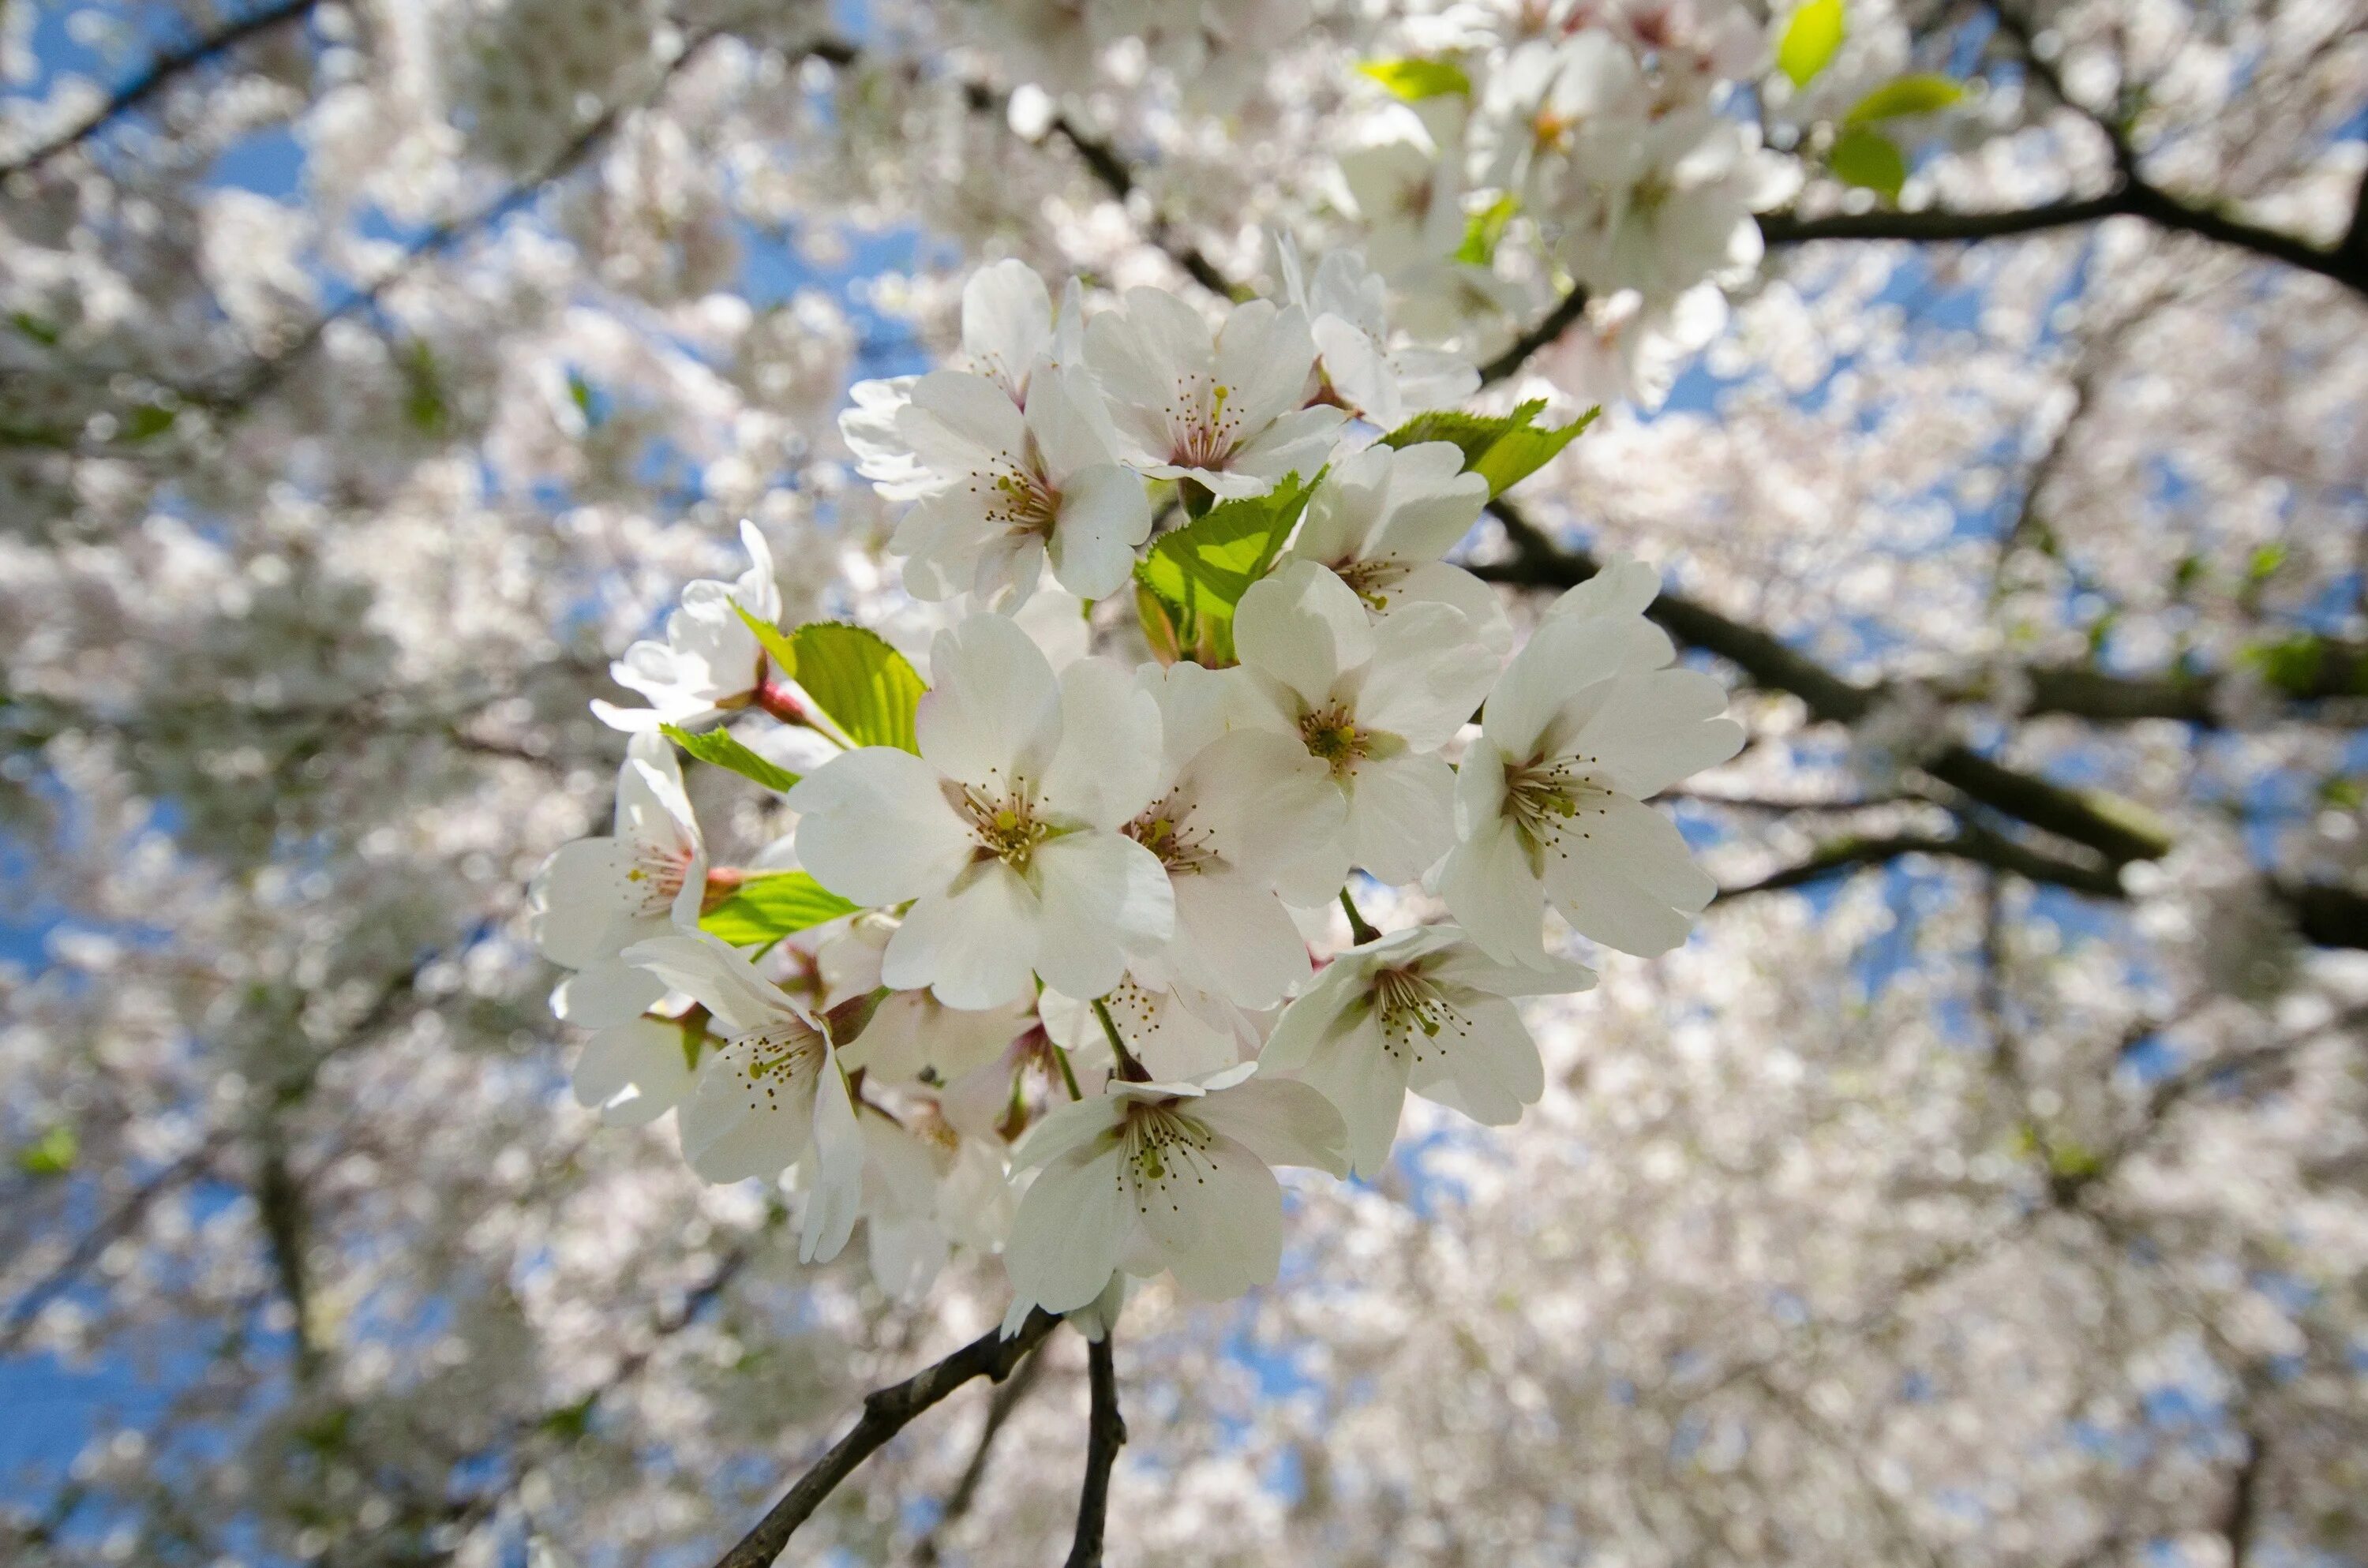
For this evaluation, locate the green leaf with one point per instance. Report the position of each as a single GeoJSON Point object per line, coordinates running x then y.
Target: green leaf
{"type": "Point", "coordinates": [1203, 568]}
{"type": "Point", "coordinates": [1483, 229]}
{"type": "Point", "coordinates": [423, 389]}
{"type": "Point", "coordinates": [766, 908]}
{"type": "Point", "coordinates": [1502, 449]}
{"type": "Point", "coordinates": [52, 1154]}
{"type": "Point", "coordinates": [861, 682]}
{"type": "Point", "coordinates": [579, 392]}
{"type": "Point", "coordinates": [2265, 562]}
{"type": "Point", "coordinates": [772, 639]}
{"type": "Point", "coordinates": [1810, 40]}
{"type": "Point", "coordinates": [34, 327]}
{"type": "Point", "coordinates": [1869, 158]}
{"type": "Point", "coordinates": [147, 422]}
{"type": "Point", "coordinates": [718, 748]}
{"type": "Point", "coordinates": [1411, 81]}
{"type": "Point", "coordinates": [1921, 93]}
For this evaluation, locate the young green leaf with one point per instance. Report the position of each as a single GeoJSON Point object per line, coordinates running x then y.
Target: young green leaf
{"type": "Point", "coordinates": [861, 683]}
{"type": "Point", "coordinates": [1203, 568]}
{"type": "Point", "coordinates": [773, 640]}
{"type": "Point", "coordinates": [1810, 40]}
{"type": "Point", "coordinates": [1870, 159]}
{"type": "Point", "coordinates": [52, 1154]}
{"type": "Point", "coordinates": [1411, 81]}
{"type": "Point", "coordinates": [1484, 228]}
{"type": "Point", "coordinates": [1502, 449]}
{"type": "Point", "coordinates": [1921, 93]}
{"type": "Point", "coordinates": [767, 907]}
{"type": "Point", "coordinates": [718, 748]}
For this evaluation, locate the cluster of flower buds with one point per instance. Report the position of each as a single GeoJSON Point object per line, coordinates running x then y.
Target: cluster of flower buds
{"type": "Point", "coordinates": [1035, 972]}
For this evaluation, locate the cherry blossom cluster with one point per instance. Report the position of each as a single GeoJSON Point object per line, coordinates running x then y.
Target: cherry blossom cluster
{"type": "Point", "coordinates": [1034, 972]}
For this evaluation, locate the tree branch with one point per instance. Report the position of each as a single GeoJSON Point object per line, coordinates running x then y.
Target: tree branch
{"type": "Point", "coordinates": [1556, 322]}
{"type": "Point", "coordinates": [162, 73]}
{"type": "Point", "coordinates": [886, 1411]}
{"type": "Point", "coordinates": [1105, 1432]}
{"type": "Point", "coordinates": [1970, 843]}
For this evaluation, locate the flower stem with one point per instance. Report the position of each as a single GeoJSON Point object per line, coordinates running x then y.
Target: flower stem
{"type": "Point", "coordinates": [1068, 1075]}
{"type": "Point", "coordinates": [1128, 1067]}
{"type": "Point", "coordinates": [1359, 926]}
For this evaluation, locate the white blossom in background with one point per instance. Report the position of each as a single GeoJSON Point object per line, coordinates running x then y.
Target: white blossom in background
{"type": "Point", "coordinates": [709, 662]}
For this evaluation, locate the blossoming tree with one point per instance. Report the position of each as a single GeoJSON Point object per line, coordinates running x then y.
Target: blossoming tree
{"type": "Point", "coordinates": [1591, 768]}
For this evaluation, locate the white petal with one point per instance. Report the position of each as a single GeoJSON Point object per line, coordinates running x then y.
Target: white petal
{"type": "Point", "coordinates": [994, 711]}
{"type": "Point", "coordinates": [1489, 888]}
{"type": "Point", "coordinates": [960, 423]}
{"type": "Point", "coordinates": [1429, 674]}
{"type": "Point", "coordinates": [719, 978]}
{"type": "Point", "coordinates": [1366, 1084]}
{"type": "Point", "coordinates": [1235, 937]}
{"type": "Point", "coordinates": [1654, 728]}
{"type": "Point", "coordinates": [1108, 761]}
{"type": "Point", "coordinates": [834, 1166]}
{"type": "Point", "coordinates": [605, 994]}
{"type": "Point", "coordinates": [1006, 320]}
{"type": "Point", "coordinates": [738, 1122]}
{"type": "Point", "coordinates": [1317, 1014]}
{"type": "Point", "coordinates": [1104, 515]}
{"type": "Point", "coordinates": [875, 826]}
{"type": "Point", "coordinates": [1401, 814]}
{"type": "Point", "coordinates": [1066, 1237]}
{"type": "Point", "coordinates": [1215, 1217]}
{"type": "Point", "coordinates": [634, 1072]}
{"type": "Point", "coordinates": [1620, 873]}
{"type": "Point", "coordinates": [1435, 582]}
{"type": "Point", "coordinates": [1623, 586]}
{"type": "Point", "coordinates": [1304, 627]}
{"type": "Point", "coordinates": [972, 945]}
{"type": "Point", "coordinates": [1065, 1128]}
{"type": "Point", "coordinates": [1260, 798]}
{"type": "Point", "coordinates": [1281, 1122]}
{"type": "Point", "coordinates": [1489, 1070]}
{"type": "Point", "coordinates": [1104, 898]}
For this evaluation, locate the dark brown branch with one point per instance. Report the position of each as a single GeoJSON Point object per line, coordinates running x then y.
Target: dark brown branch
{"type": "Point", "coordinates": [1105, 1432]}
{"type": "Point", "coordinates": [886, 1411]}
{"type": "Point", "coordinates": [1970, 844]}
{"type": "Point", "coordinates": [161, 73]}
{"type": "Point", "coordinates": [1556, 322]}
{"type": "Point", "coordinates": [2134, 199]}
{"type": "Point", "coordinates": [998, 1411]}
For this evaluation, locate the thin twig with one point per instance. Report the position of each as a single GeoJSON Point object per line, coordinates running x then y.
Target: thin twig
{"type": "Point", "coordinates": [162, 73]}
{"type": "Point", "coordinates": [1105, 1433]}
{"type": "Point", "coordinates": [886, 1411]}
{"type": "Point", "coordinates": [1556, 322]}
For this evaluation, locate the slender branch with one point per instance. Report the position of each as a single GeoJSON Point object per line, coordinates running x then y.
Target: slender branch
{"type": "Point", "coordinates": [1556, 322]}
{"type": "Point", "coordinates": [886, 1411]}
{"type": "Point", "coordinates": [1970, 843]}
{"type": "Point", "coordinates": [1105, 1432]}
{"type": "Point", "coordinates": [998, 1411]}
{"type": "Point", "coordinates": [162, 73]}
{"type": "Point", "coordinates": [120, 1221]}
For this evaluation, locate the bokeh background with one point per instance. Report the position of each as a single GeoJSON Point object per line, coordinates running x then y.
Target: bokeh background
{"type": "Point", "coordinates": [1986, 1181]}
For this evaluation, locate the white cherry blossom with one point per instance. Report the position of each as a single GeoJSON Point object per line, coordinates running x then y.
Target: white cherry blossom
{"type": "Point", "coordinates": [1175, 1177]}
{"type": "Point", "coordinates": [1004, 829]}
{"type": "Point", "coordinates": [1382, 520]}
{"type": "Point", "coordinates": [1549, 801]}
{"type": "Point", "coordinates": [1421, 1010]}
{"type": "Point", "coordinates": [1017, 488]}
{"type": "Point", "coordinates": [1221, 409]}
{"type": "Point", "coordinates": [1356, 365]}
{"type": "Point", "coordinates": [709, 662]}
{"type": "Point", "coordinates": [635, 1071]}
{"type": "Point", "coordinates": [773, 1095]}
{"type": "Point", "coordinates": [1373, 701]}
{"type": "Point", "coordinates": [596, 897]}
